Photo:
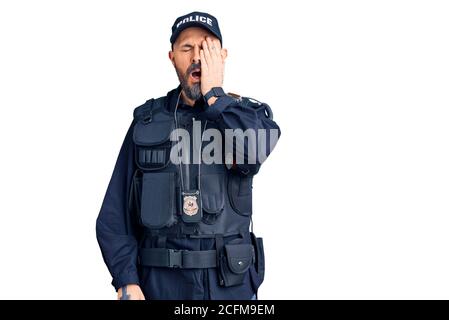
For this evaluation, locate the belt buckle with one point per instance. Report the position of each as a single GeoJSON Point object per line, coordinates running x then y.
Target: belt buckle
{"type": "Point", "coordinates": [175, 258]}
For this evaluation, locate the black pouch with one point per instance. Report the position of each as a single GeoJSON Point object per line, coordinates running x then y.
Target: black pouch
{"type": "Point", "coordinates": [240, 193]}
{"type": "Point", "coordinates": [157, 208]}
{"type": "Point", "coordinates": [212, 196]}
{"type": "Point", "coordinates": [235, 262]}
{"type": "Point", "coordinates": [259, 257]}
{"type": "Point", "coordinates": [153, 144]}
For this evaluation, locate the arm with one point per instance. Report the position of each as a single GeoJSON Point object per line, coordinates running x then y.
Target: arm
{"type": "Point", "coordinates": [231, 113]}
{"type": "Point", "coordinates": [114, 227]}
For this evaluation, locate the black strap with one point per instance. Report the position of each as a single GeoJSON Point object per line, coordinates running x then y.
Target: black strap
{"type": "Point", "coordinates": [178, 230]}
{"type": "Point", "coordinates": [172, 258]}
{"type": "Point", "coordinates": [219, 243]}
{"type": "Point", "coordinates": [145, 112]}
{"type": "Point", "coordinates": [219, 249]}
{"type": "Point", "coordinates": [258, 105]}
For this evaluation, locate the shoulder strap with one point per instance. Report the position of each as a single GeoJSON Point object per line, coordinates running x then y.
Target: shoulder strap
{"type": "Point", "coordinates": [258, 104]}
{"type": "Point", "coordinates": [145, 111]}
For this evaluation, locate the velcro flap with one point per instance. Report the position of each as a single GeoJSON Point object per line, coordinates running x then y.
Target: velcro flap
{"type": "Point", "coordinates": [212, 192]}
{"type": "Point", "coordinates": [152, 133]}
{"type": "Point", "coordinates": [240, 257]}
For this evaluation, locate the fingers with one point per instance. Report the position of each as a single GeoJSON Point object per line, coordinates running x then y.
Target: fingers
{"type": "Point", "coordinates": [204, 66]}
{"type": "Point", "coordinates": [217, 51]}
{"type": "Point", "coordinates": [214, 45]}
{"type": "Point", "coordinates": [206, 52]}
{"type": "Point", "coordinates": [212, 50]}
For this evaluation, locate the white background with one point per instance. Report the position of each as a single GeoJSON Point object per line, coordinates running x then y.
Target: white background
{"type": "Point", "coordinates": [352, 204]}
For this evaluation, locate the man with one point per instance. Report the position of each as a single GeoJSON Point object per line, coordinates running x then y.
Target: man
{"type": "Point", "coordinates": [173, 223]}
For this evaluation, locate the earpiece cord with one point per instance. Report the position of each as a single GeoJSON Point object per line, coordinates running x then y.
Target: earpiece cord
{"type": "Point", "coordinates": [177, 145]}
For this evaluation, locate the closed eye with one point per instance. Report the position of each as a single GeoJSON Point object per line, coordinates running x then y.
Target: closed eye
{"type": "Point", "coordinates": [188, 47]}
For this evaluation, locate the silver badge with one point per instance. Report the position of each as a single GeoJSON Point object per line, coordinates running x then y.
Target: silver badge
{"type": "Point", "coordinates": [190, 206]}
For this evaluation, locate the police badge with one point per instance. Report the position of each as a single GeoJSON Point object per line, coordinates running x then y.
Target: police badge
{"type": "Point", "coordinates": [191, 206]}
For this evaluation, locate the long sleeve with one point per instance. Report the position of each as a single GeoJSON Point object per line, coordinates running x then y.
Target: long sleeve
{"type": "Point", "coordinates": [114, 225]}
{"type": "Point", "coordinates": [230, 113]}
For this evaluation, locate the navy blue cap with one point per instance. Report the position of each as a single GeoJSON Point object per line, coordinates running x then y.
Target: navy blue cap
{"type": "Point", "coordinates": [196, 19]}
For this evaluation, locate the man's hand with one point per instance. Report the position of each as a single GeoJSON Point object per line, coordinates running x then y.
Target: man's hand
{"type": "Point", "coordinates": [212, 66]}
{"type": "Point", "coordinates": [130, 292]}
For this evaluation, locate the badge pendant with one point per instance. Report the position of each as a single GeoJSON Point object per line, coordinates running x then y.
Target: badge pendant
{"type": "Point", "coordinates": [191, 206]}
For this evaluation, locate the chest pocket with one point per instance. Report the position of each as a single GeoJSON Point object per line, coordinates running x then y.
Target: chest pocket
{"type": "Point", "coordinates": [152, 140]}
{"type": "Point", "coordinates": [212, 196]}
{"type": "Point", "coordinates": [240, 193]}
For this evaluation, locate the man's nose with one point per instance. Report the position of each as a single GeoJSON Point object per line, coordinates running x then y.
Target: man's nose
{"type": "Point", "coordinates": [196, 54]}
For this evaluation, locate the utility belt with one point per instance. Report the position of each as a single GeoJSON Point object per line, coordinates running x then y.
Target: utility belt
{"type": "Point", "coordinates": [232, 259]}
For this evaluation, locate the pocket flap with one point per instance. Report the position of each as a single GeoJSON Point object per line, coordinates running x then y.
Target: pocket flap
{"type": "Point", "coordinates": [212, 192]}
{"type": "Point", "coordinates": [240, 193]}
{"type": "Point", "coordinates": [152, 133]}
{"type": "Point", "coordinates": [239, 256]}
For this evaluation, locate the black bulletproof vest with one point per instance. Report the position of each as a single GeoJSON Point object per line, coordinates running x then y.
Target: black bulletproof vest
{"type": "Point", "coordinates": [226, 195]}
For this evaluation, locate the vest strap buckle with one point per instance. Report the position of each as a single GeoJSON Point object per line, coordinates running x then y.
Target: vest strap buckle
{"type": "Point", "coordinates": [174, 258]}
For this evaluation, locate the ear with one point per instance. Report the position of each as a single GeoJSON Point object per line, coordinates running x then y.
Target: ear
{"type": "Point", "coordinates": [171, 56]}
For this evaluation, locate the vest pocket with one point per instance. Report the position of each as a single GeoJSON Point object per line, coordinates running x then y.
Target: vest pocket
{"type": "Point", "coordinates": [157, 208]}
{"type": "Point", "coordinates": [235, 262]}
{"type": "Point", "coordinates": [240, 193]}
{"type": "Point", "coordinates": [153, 144]}
{"type": "Point", "coordinates": [212, 196]}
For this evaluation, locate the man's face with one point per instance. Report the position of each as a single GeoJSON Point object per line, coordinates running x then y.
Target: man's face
{"type": "Point", "coordinates": [186, 59]}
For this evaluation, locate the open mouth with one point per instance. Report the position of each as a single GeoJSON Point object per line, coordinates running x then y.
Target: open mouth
{"type": "Point", "coordinates": [196, 74]}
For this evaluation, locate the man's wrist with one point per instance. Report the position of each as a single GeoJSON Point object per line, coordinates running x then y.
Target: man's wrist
{"type": "Point", "coordinates": [213, 94]}
{"type": "Point", "coordinates": [211, 100]}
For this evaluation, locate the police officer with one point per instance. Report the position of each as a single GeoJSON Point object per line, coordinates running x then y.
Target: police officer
{"type": "Point", "coordinates": [171, 227]}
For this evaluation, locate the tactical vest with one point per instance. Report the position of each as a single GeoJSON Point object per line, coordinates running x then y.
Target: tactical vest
{"type": "Point", "coordinates": [226, 198]}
